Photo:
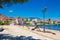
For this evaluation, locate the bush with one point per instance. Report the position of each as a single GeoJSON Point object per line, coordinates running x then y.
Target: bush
{"type": "Point", "coordinates": [1, 23]}
{"type": "Point", "coordinates": [6, 22]}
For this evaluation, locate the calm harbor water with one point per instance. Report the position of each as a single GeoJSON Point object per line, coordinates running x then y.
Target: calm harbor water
{"type": "Point", "coordinates": [51, 27]}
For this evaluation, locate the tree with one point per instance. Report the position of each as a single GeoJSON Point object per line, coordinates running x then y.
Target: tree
{"type": "Point", "coordinates": [6, 22]}
{"type": "Point", "coordinates": [1, 23]}
{"type": "Point", "coordinates": [58, 22]}
{"type": "Point", "coordinates": [49, 21]}
{"type": "Point", "coordinates": [43, 11]}
{"type": "Point", "coordinates": [26, 22]}
{"type": "Point", "coordinates": [10, 2]}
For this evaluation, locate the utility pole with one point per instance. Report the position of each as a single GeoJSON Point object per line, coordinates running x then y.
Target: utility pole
{"type": "Point", "coordinates": [43, 12]}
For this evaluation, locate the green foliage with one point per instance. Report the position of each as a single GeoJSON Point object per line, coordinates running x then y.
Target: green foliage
{"type": "Point", "coordinates": [46, 22]}
{"type": "Point", "coordinates": [49, 21]}
{"type": "Point", "coordinates": [41, 22]}
{"type": "Point", "coordinates": [20, 1]}
{"type": "Point", "coordinates": [10, 2]}
{"type": "Point", "coordinates": [6, 22]}
{"type": "Point", "coordinates": [58, 21]}
{"type": "Point", "coordinates": [35, 23]}
{"type": "Point", "coordinates": [7, 1]}
{"type": "Point", "coordinates": [1, 23]}
{"type": "Point", "coordinates": [26, 21]}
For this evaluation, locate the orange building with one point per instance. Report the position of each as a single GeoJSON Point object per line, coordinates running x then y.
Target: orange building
{"type": "Point", "coordinates": [2, 18]}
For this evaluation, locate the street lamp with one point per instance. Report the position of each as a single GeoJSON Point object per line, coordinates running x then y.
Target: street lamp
{"type": "Point", "coordinates": [43, 11]}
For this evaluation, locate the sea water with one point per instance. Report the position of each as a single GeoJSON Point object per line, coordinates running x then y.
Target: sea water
{"type": "Point", "coordinates": [51, 27]}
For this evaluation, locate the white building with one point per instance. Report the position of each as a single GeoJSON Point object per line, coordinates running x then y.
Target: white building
{"type": "Point", "coordinates": [36, 20]}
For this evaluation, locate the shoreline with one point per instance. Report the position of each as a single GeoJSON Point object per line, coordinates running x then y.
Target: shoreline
{"type": "Point", "coordinates": [13, 28]}
{"type": "Point", "coordinates": [50, 35]}
{"type": "Point", "coordinates": [39, 27]}
{"type": "Point", "coordinates": [45, 28]}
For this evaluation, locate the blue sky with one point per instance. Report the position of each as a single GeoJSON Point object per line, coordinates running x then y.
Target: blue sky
{"type": "Point", "coordinates": [32, 8]}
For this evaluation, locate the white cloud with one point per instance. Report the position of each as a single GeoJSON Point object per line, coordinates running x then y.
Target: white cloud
{"type": "Point", "coordinates": [10, 11]}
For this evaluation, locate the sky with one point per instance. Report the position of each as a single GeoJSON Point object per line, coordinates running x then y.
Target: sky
{"type": "Point", "coordinates": [32, 8]}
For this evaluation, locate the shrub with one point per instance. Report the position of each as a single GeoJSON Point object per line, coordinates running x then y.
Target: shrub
{"type": "Point", "coordinates": [1, 23]}
{"type": "Point", "coordinates": [6, 22]}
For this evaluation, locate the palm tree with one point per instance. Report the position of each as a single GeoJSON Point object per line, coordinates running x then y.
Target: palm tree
{"type": "Point", "coordinates": [49, 21]}
{"type": "Point", "coordinates": [43, 11]}
{"type": "Point", "coordinates": [10, 2]}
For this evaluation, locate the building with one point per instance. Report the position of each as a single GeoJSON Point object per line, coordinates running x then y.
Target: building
{"type": "Point", "coordinates": [2, 17]}
{"type": "Point", "coordinates": [18, 20]}
{"type": "Point", "coordinates": [54, 22]}
{"type": "Point", "coordinates": [36, 20]}
{"type": "Point", "coordinates": [11, 20]}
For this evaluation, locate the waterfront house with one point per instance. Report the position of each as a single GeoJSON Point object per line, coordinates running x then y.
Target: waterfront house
{"type": "Point", "coordinates": [11, 20]}
{"type": "Point", "coordinates": [18, 20]}
{"type": "Point", "coordinates": [54, 22]}
{"type": "Point", "coordinates": [3, 18]}
{"type": "Point", "coordinates": [58, 22]}
{"type": "Point", "coordinates": [36, 20]}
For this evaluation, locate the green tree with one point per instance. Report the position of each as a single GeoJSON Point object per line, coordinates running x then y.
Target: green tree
{"type": "Point", "coordinates": [10, 2]}
{"type": "Point", "coordinates": [6, 22]}
{"type": "Point", "coordinates": [58, 22]}
{"type": "Point", "coordinates": [1, 23]}
{"type": "Point", "coordinates": [26, 22]}
{"type": "Point", "coordinates": [49, 21]}
{"type": "Point", "coordinates": [35, 22]}
{"type": "Point", "coordinates": [41, 22]}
